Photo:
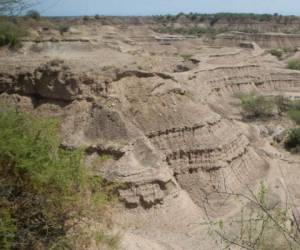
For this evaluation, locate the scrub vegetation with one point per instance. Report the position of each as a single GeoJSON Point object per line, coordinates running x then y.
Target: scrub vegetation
{"type": "Point", "coordinates": [259, 226]}
{"type": "Point", "coordinates": [256, 106]}
{"type": "Point", "coordinates": [44, 189]}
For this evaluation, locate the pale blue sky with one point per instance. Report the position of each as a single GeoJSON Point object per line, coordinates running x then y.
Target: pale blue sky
{"type": "Point", "coordinates": [153, 7]}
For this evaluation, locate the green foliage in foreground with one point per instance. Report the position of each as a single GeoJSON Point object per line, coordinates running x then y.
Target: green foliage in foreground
{"type": "Point", "coordinates": [11, 33]}
{"type": "Point", "coordinates": [255, 106]}
{"type": "Point", "coordinates": [259, 226]}
{"type": "Point", "coordinates": [294, 64]}
{"type": "Point", "coordinates": [37, 171]}
{"type": "Point", "coordinates": [42, 185]}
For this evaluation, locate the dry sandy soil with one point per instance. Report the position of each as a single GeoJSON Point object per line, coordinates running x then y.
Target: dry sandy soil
{"type": "Point", "coordinates": [162, 106]}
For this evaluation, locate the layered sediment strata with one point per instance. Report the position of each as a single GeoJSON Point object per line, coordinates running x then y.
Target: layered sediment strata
{"type": "Point", "coordinates": [197, 144]}
{"type": "Point", "coordinates": [246, 73]}
{"type": "Point", "coordinates": [264, 40]}
{"type": "Point", "coordinates": [167, 135]}
{"type": "Point", "coordinates": [52, 80]}
{"type": "Point", "coordinates": [168, 138]}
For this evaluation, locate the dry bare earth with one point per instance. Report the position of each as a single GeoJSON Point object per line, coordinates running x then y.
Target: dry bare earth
{"type": "Point", "coordinates": [161, 106]}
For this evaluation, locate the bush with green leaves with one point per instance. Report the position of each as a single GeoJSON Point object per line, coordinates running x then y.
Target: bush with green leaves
{"type": "Point", "coordinates": [290, 50]}
{"type": "Point", "coordinates": [290, 107]}
{"type": "Point", "coordinates": [294, 114]}
{"type": "Point", "coordinates": [256, 106]}
{"type": "Point", "coordinates": [282, 103]}
{"type": "Point", "coordinates": [86, 18]}
{"type": "Point", "coordinates": [63, 28]}
{"type": "Point", "coordinates": [276, 52]}
{"type": "Point", "coordinates": [11, 33]}
{"type": "Point", "coordinates": [292, 142]}
{"type": "Point", "coordinates": [43, 186]}
{"type": "Point", "coordinates": [294, 64]}
{"type": "Point", "coordinates": [34, 14]}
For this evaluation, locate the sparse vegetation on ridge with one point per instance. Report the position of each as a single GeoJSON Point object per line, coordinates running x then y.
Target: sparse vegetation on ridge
{"type": "Point", "coordinates": [191, 31]}
{"type": "Point", "coordinates": [213, 19]}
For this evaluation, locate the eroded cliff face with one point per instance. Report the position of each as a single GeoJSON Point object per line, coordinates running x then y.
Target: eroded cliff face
{"type": "Point", "coordinates": [225, 29]}
{"type": "Point", "coordinates": [173, 138]}
{"type": "Point", "coordinates": [264, 40]}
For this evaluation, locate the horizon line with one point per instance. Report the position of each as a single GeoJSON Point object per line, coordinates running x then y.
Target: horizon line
{"type": "Point", "coordinates": [172, 14]}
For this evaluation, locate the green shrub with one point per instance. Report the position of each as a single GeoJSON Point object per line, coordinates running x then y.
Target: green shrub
{"type": "Point", "coordinates": [11, 33]}
{"type": "Point", "coordinates": [294, 104]}
{"type": "Point", "coordinates": [276, 52]}
{"type": "Point", "coordinates": [7, 227]}
{"type": "Point", "coordinates": [294, 64]}
{"type": "Point", "coordinates": [34, 14]}
{"type": "Point", "coordinates": [36, 170]}
{"type": "Point", "coordinates": [186, 56]}
{"type": "Point", "coordinates": [255, 106]}
{"type": "Point", "coordinates": [63, 28]}
{"type": "Point", "coordinates": [97, 17]}
{"type": "Point", "coordinates": [290, 50]}
{"type": "Point", "coordinates": [292, 143]}
{"type": "Point", "coordinates": [291, 107]}
{"type": "Point", "coordinates": [282, 103]}
{"type": "Point", "coordinates": [42, 185]}
{"type": "Point", "coordinates": [294, 114]}
{"type": "Point", "coordinates": [86, 18]}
